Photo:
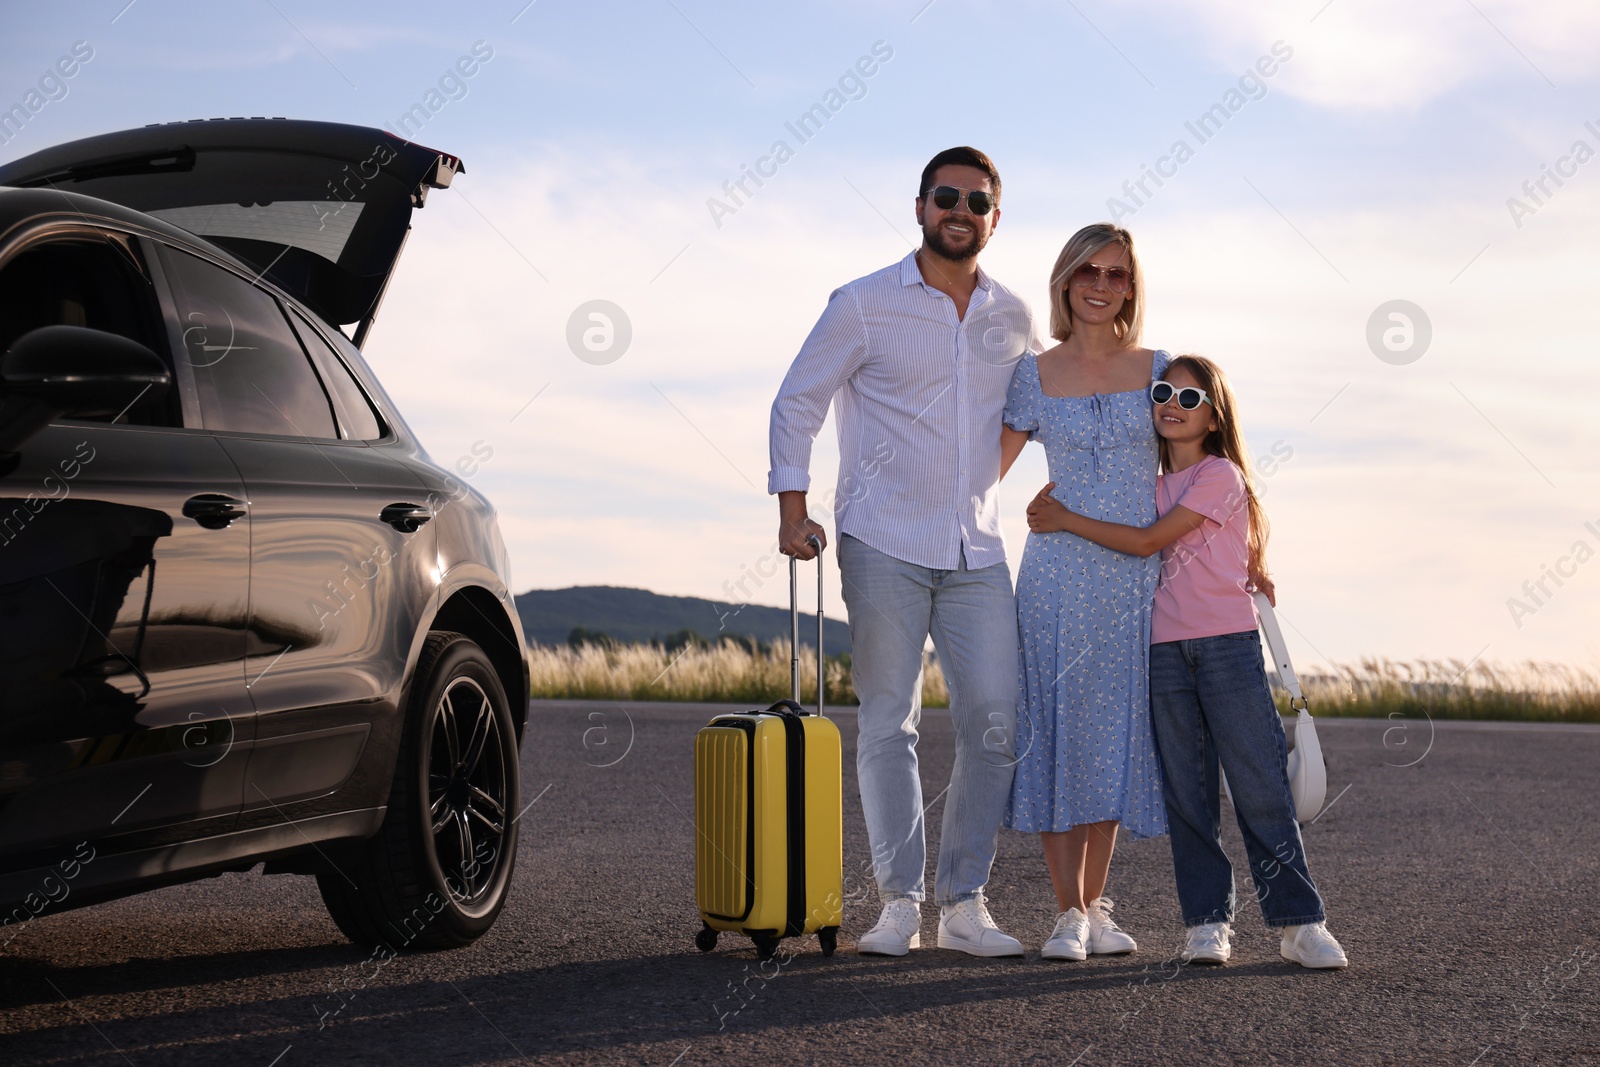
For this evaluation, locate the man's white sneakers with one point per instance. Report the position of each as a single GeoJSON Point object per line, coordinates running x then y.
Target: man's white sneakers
{"type": "Point", "coordinates": [1070, 939]}
{"type": "Point", "coordinates": [897, 932]}
{"type": "Point", "coordinates": [1312, 946]}
{"type": "Point", "coordinates": [1208, 943]}
{"type": "Point", "coordinates": [966, 926]}
{"type": "Point", "coordinates": [1106, 938]}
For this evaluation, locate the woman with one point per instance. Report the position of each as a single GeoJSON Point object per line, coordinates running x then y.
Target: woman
{"type": "Point", "coordinates": [1089, 761]}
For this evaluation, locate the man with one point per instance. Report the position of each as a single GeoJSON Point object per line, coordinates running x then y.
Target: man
{"type": "Point", "coordinates": [917, 359]}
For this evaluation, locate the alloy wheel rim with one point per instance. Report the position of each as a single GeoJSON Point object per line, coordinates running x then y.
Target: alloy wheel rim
{"type": "Point", "coordinates": [468, 790]}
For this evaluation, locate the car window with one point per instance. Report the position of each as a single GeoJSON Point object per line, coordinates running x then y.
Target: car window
{"type": "Point", "coordinates": [249, 370]}
{"type": "Point", "coordinates": [356, 415]}
{"type": "Point", "coordinates": [98, 282]}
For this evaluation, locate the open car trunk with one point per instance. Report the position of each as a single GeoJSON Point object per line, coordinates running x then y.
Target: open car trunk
{"type": "Point", "coordinates": [319, 208]}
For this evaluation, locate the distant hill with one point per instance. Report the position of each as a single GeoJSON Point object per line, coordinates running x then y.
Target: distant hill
{"type": "Point", "coordinates": [638, 615]}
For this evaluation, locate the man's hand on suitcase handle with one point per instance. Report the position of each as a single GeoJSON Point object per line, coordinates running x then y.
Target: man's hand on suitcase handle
{"type": "Point", "coordinates": [795, 528]}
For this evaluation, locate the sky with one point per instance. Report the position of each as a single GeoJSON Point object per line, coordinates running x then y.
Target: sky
{"type": "Point", "coordinates": [1442, 153]}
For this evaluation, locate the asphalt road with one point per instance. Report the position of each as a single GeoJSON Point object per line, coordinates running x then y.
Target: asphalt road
{"type": "Point", "coordinates": [1463, 886]}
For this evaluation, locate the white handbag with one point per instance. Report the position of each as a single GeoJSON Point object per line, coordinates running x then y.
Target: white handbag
{"type": "Point", "coordinates": [1308, 774]}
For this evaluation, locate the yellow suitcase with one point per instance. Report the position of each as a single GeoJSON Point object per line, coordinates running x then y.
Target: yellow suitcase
{"type": "Point", "coordinates": [769, 853]}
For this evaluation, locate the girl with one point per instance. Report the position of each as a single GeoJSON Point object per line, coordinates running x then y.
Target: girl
{"type": "Point", "coordinates": [1088, 760]}
{"type": "Point", "coordinates": [1208, 690]}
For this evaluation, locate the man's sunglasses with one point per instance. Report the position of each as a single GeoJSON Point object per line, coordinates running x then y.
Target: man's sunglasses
{"type": "Point", "coordinates": [1118, 279]}
{"type": "Point", "coordinates": [945, 197]}
{"type": "Point", "coordinates": [1189, 397]}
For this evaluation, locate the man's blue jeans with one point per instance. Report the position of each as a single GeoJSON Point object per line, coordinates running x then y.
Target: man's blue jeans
{"type": "Point", "coordinates": [1209, 701]}
{"type": "Point", "coordinates": [972, 616]}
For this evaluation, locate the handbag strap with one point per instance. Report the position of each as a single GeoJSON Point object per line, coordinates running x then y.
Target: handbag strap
{"type": "Point", "coordinates": [1280, 651]}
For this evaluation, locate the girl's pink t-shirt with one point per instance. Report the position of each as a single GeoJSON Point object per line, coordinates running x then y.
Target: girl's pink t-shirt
{"type": "Point", "coordinates": [1203, 573]}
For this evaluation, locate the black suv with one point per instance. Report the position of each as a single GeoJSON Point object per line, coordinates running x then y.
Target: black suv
{"type": "Point", "coordinates": [243, 616]}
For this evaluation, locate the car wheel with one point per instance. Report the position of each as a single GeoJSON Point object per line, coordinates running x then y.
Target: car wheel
{"type": "Point", "coordinates": [436, 874]}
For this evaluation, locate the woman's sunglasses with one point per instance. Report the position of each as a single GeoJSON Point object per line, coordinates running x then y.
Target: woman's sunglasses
{"type": "Point", "coordinates": [1118, 279]}
{"type": "Point", "coordinates": [946, 197]}
{"type": "Point", "coordinates": [1189, 397]}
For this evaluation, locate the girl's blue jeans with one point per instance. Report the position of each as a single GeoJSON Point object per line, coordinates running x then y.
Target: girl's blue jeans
{"type": "Point", "coordinates": [1209, 701]}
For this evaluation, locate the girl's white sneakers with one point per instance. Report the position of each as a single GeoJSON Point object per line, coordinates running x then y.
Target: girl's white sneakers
{"type": "Point", "coordinates": [1208, 943]}
{"type": "Point", "coordinates": [1312, 946]}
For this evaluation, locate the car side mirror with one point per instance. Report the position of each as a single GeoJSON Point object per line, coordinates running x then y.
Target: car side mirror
{"type": "Point", "coordinates": [57, 371]}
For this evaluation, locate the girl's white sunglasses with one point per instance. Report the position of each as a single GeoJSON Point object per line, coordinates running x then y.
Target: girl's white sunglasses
{"type": "Point", "coordinates": [1189, 397]}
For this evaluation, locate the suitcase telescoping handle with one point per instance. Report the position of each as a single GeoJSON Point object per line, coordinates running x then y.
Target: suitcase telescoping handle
{"type": "Point", "coordinates": [794, 625]}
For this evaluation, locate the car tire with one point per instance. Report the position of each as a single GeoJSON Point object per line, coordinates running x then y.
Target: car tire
{"type": "Point", "coordinates": [436, 874]}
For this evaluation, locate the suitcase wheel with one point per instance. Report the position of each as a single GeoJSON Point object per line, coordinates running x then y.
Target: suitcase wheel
{"type": "Point", "coordinates": [766, 946]}
{"type": "Point", "coordinates": [706, 939]}
{"type": "Point", "coordinates": [828, 938]}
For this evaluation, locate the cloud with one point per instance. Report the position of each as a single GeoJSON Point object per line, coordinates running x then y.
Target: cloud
{"type": "Point", "coordinates": [1365, 54]}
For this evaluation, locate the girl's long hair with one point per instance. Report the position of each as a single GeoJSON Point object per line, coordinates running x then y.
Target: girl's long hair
{"type": "Point", "coordinates": [1227, 441]}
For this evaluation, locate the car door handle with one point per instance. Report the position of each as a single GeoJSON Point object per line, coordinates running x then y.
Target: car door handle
{"type": "Point", "coordinates": [214, 511]}
{"type": "Point", "coordinates": [407, 518]}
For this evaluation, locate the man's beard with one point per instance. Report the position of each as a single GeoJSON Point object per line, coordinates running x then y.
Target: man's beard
{"type": "Point", "coordinates": [935, 240]}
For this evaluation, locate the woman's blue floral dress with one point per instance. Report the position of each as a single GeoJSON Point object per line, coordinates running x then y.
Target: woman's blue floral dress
{"type": "Point", "coordinates": [1086, 749]}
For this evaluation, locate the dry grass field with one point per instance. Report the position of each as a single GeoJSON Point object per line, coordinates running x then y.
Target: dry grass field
{"type": "Point", "coordinates": [718, 674]}
{"type": "Point", "coordinates": [1454, 689]}
{"type": "Point", "coordinates": [1370, 688]}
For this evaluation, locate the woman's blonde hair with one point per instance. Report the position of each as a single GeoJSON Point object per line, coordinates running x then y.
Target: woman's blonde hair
{"type": "Point", "coordinates": [1079, 249]}
{"type": "Point", "coordinates": [1227, 441]}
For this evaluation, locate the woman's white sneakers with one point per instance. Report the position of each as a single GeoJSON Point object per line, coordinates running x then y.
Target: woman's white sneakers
{"type": "Point", "coordinates": [897, 931]}
{"type": "Point", "coordinates": [1077, 936]}
{"type": "Point", "coordinates": [1070, 939]}
{"type": "Point", "coordinates": [1207, 943]}
{"type": "Point", "coordinates": [966, 926]}
{"type": "Point", "coordinates": [1312, 946]}
{"type": "Point", "coordinates": [1106, 938]}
